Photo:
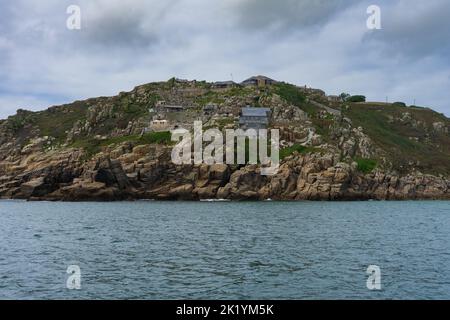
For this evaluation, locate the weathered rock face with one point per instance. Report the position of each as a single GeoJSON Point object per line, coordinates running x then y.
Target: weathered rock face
{"type": "Point", "coordinates": [146, 173]}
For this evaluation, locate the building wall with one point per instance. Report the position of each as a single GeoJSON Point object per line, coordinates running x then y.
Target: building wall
{"type": "Point", "coordinates": [254, 122]}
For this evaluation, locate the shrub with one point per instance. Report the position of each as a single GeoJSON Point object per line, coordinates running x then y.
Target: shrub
{"type": "Point", "coordinates": [357, 98]}
{"type": "Point", "coordinates": [399, 104]}
{"type": "Point", "coordinates": [344, 96]}
{"type": "Point", "coordinates": [18, 121]}
{"type": "Point", "coordinates": [366, 165]}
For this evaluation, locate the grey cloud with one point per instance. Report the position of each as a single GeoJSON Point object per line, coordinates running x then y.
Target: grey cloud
{"type": "Point", "coordinates": [414, 29]}
{"type": "Point", "coordinates": [287, 14]}
{"type": "Point", "coordinates": [106, 25]}
{"type": "Point", "coordinates": [119, 29]}
{"type": "Point", "coordinates": [325, 44]}
{"type": "Point", "coordinates": [6, 12]}
{"type": "Point", "coordinates": [123, 25]}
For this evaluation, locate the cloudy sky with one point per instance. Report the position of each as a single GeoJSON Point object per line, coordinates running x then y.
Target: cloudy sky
{"type": "Point", "coordinates": [321, 43]}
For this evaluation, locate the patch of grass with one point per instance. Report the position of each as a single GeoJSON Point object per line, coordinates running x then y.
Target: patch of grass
{"type": "Point", "coordinates": [366, 165]}
{"type": "Point", "coordinates": [376, 124]}
{"type": "Point", "coordinates": [238, 91]}
{"type": "Point", "coordinates": [286, 152]}
{"type": "Point", "coordinates": [209, 97]}
{"type": "Point", "coordinates": [398, 139]}
{"type": "Point", "coordinates": [133, 110]}
{"type": "Point", "coordinates": [18, 121]}
{"type": "Point", "coordinates": [93, 146]}
{"type": "Point", "coordinates": [57, 121]}
{"type": "Point", "coordinates": [119, 140]}
{"type": "Point", "coordinates": [310, 109]}
{"type": "Point", "coordinates": [222, 123]}
{"type": "Point", "coordinates": [54, 122]}
{"type": "Point", "coordinates": [163, 137]}
{"type": "Point", "coordinates": [322, 127]}
{"type": "Point", "coordinates": [290, 93]}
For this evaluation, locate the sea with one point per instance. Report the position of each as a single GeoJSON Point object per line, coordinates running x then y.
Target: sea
{"type": "Point", "coordinates": [225, 250]}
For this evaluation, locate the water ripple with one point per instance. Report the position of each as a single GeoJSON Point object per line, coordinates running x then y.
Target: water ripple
{"type": "Point", "coordinates": [245, 250]}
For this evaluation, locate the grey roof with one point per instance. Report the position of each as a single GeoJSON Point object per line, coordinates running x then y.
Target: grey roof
{"type": "Point", "coordinates": [256, 78]}
{"type": "Point", "coordinates": [255, 112]}
{"type": "Point", "coordinates": [224, 83]}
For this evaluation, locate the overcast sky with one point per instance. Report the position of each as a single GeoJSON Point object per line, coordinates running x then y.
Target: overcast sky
{"type": "Point", "coordinates": [321, 43]}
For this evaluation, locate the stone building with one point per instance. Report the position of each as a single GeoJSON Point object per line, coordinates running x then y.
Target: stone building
{"type": "Point", "coordinates": [224, 84]}
{"type": "Point", "coordinates": [258, 81]}
{"type": "Point", "coordinates": [159, 125]}
{"type": "Point", "coordinates": [173, 108]}
{"type": "Point", "coordinates": [333, 98]}
{"type": "Point", "coordinates": [254, 118]}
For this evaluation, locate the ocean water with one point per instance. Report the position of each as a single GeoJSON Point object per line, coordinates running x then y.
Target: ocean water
{"type": "Point", "coordinates": [225, 250]}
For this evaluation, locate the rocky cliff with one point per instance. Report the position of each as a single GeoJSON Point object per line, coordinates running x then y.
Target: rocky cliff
{"type": "Point", "coordinates": [109, 148]}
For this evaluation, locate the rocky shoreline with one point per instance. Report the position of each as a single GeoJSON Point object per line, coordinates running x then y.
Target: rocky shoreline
{"type": "Point", "coordinates": [133, 176]}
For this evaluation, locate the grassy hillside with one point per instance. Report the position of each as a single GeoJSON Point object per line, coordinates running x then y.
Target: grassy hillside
{"type": "Point", "coordinates": [406, 139]}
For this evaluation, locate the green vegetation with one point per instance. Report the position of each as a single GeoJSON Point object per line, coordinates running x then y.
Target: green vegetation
{"type": "Point", "coordinates": [238, 91]}
{"type": "Point", "coordinates": [134, 110]}
{"type": "Point", "coordinates": [223, 122]}
{"type": "Point", "coordinates": [117, 140]}
{"type": "Point", "coordinates": [403, 142]}
{"type": "Point", "coordinates": [285, 152]}
{"type": "Point", "coordinates": [344, 96]}
{"type": "Point", "coordinates": [366, 165]}
{"type": "Point", "coordinates": [94, 146]}
{"type": "Point", "coordinates": [357, 98]}
{"type": "Point", "coordinates": [90, 146]}
{"type": "Point", "coordinates": [171, 82]}
{"type": "Point", "coordinates": [203, 84]}
{"type": "Point", "coordinates": [54, 122]}
{"type": "Point", "coordinates": [323, 126]}
{"type": "Point", "coordinates": [399, 104]}
{"type": "Point", "coordinates": [163, 137]}
{"type": "Point", "coordinates": [310, 109]}
{"type": "Point", "coordinates": [18, 121]}
{"type": "Point", "coordinates": [290, 93]}
{"type": "Point", "coordinates": [209, 97]}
